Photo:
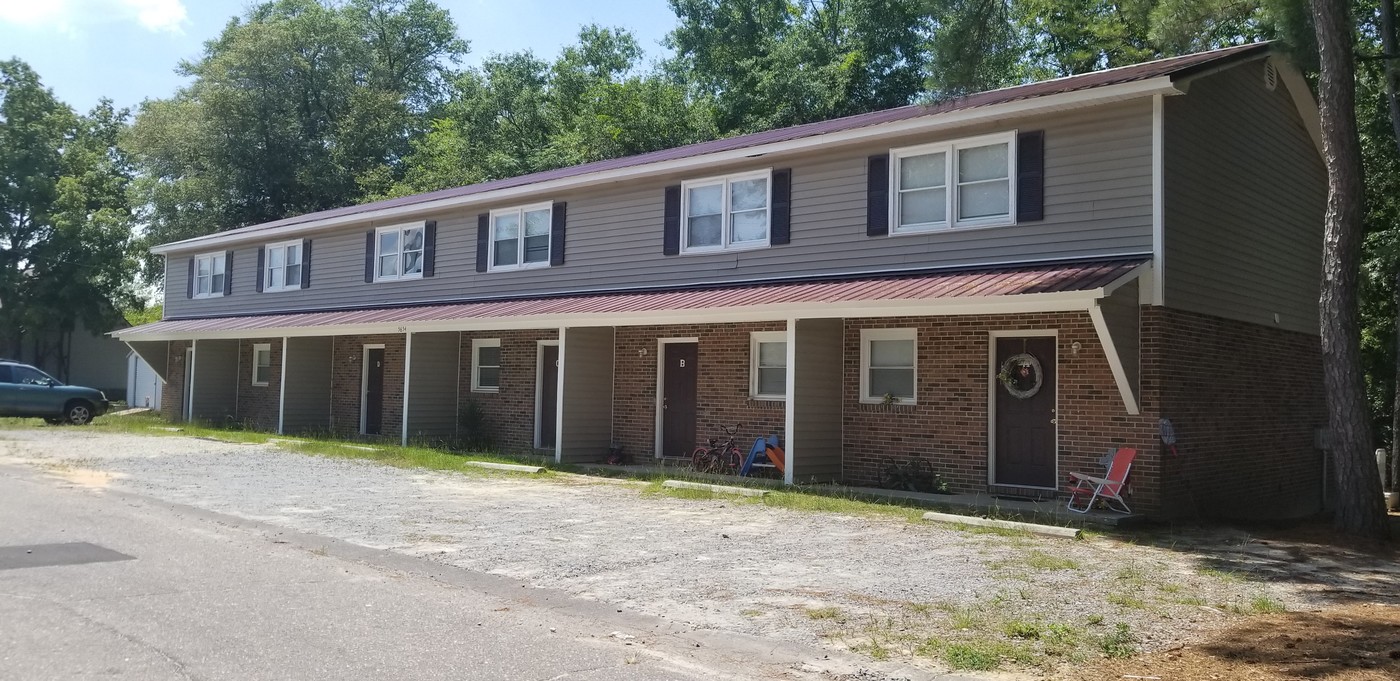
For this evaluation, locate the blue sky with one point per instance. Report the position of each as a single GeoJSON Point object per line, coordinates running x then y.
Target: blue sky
{"type": "Point", "coordinates": [128, 49]}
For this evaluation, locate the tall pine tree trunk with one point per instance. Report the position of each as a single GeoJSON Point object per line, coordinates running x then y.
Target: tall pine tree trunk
{"type": "Point", "coordinates": [1390, 46]}
{"type": "Point", "coordinates": [1360, 508]}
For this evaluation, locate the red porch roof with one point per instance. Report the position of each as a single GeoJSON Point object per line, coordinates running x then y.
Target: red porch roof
{"type": "Point", "coordinates": [966, 283]}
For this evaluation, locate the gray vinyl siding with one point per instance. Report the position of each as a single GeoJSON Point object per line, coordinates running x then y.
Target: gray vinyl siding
{"type": "Point", "coordinates": [1121, 314]}
{"type": "Point", "coordinates": [215, 394]}
{"type": "Point", "coordinates": [1098, 186]}
{"type": "Point", "coordinates": [586, 398]}
{"type": "Point", "coordinates": [432, 384]}
{"type": "Point", "coordinates": [1245, 193]}
{"type": "Point", "coordinates": [817, 375]}
{"type": "Point", "coordinates": [307, 389]}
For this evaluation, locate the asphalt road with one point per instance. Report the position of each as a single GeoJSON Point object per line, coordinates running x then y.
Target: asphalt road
{"type": "Point", "coordinates": [210, 596]}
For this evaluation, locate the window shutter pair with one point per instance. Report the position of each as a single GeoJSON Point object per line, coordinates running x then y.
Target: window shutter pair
{"type": "Point", "coordinates": [1030, 184]}
{"type": "Point", "coordinates": [558, 220]}
{"type": "Point", "coordinates": [305, 265]}
{"type": "Point", "coordinates": [779, 216]}
{"type": "Point", "coordinates": [429, 254]}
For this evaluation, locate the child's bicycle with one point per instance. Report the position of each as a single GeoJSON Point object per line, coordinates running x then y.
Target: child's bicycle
{"type": "Point", "coordinates": [722, 456]}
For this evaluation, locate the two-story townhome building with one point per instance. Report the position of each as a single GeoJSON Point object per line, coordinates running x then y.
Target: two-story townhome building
{"type": "Point", "coordinates": [1008, 285]}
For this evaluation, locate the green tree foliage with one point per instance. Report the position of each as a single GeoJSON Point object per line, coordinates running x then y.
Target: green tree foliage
{"type": "Point", "coordinates": [66, 256]}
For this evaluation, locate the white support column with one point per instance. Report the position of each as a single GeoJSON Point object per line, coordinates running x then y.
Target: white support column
{"type": "Point", "coordinates": [407, 372]}
{"type": "Point", "coordinates": [789, 405]}
{"type": "Point", "coordinates": [559, 400]}
{"type": "Point", "coordinates": [282, 389]}
{"type": "Point", "coordinates": [189, 399]}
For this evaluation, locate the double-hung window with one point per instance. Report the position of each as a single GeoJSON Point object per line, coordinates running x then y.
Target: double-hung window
{"type": "Point", "coordinates": [283, 264]}
{"type": "Point", "coordinates": [726, 212]}
{"type": "Point", "coordinates": [768, 365]}
{"type": "Point", "coordinates": [262, 363]}
{"type": "Point", "coordinates": [888, 365]}
{"type": "Point", "coordinates": [209, 275]}
{"type": "Point", "coordinates": [399, 252]}
{"type": "Point", "coordinates": [964, 183]}
{"type": "Point", "coordinates": [486, 365]}
{"type": "Point", "coordinates": [520, 237]}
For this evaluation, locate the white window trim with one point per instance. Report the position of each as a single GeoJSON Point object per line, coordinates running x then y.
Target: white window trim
{"type": "Point", "coordinates": [867, 335]}
{"type": "Point", "coordinates": [401, 228]}
{"type": "Point", "coordinates": [950, 149]}
{"type": "Point", "coordinates": [724, 231]}
{"type": "Point", "coordinates": [220, 256]}
{"type": "Point", "coordinates": [491, 265]}
{"type": "Point", "coordinates": [477, 345]}
{"type": "Point", "coordinates": [253, 375]}
{"type": "Point", "coordinates": [755, 339]}
{"type": "Point", "coordinates": [268, 287]}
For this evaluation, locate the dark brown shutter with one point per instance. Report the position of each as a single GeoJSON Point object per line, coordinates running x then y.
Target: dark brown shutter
{"type": "Point", "coordinates": [429, 248]}
{"type": "Point", "coordinates": [1030, 176]}
{"type": "Point", "coordinates": [556, 233]}
{"type": "Point", "coordinates": [189, 283]}
{"type": "Point", "coordinates": [369, 257]}
{"type": "Point", "coordinates": [262, 268]}
{"type": "Point", "coordinates": [306, 263]}
{"type": "Point", "coordinates": [483, 240]}
{"type": "Point", "coordinates": [782, 207]}
{"type": "Point", "coordinates": [671, 227]}
{"type": "Point", "coordinates": [877, 195]}
{"type": "Point", "coordinates": [228, 273]}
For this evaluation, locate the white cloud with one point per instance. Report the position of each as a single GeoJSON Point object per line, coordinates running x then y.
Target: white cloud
{"type": "Point", "coordinates": [66, 15]}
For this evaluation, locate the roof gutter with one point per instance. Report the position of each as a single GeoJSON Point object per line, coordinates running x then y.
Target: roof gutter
{"type": "Point", "coordinates": [931, 123]}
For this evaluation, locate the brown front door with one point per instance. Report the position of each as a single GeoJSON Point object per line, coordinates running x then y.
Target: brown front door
{"type": "Point", "coordinates": [1025, 415]}
{"type": "Point", "coordinates": [678, 399]}
{"type": "Point", "coordinates": [374, 391]}
{"type": "Point", "coordinates": [549, 394]}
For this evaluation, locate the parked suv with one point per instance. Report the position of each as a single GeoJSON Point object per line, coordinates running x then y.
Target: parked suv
{"type": "Point", "coordinates": [26, 391]}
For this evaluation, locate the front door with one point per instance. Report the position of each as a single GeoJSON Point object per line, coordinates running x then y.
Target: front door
{"type": "Point", "coordinates": [374, 391]}
{"type": "Point", "coordinates": [678, 374]}
{"type": "Point", "coordinates": [547, 418]}
{"type": "Point", "coordinates": [1024, 380]}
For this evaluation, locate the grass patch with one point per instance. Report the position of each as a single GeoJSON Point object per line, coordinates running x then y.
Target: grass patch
{"type": "Point", "coordinates": [1123, 600]}
{"type": "Point", "coordinates": [1021, 629]}
{"type": "Point", "coordinates": [1228, 576]}
{"type": "Point", "coordinates": [826, 613]}
{"type": "Point", "coordinates": [1044, 561]}
{"type": "Point", "coordinates": [1265, 605]}
{"type": "Point", "coordinates": [1093, 620]}
{"type": "Point", "coordinates": [1118, 643]}
{"type": "Point", "coordinates": [979, 655]}
{"type": "Point", "coordinates": [1190, 600]}
{"type": "Point", "coordinates": [1131, 573]}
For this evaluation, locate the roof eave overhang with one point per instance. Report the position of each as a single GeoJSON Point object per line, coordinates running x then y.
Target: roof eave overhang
{"type": "Point", "coordinates": [1065, 301]}
{"type": "Point", "coordinates": [926, 124]}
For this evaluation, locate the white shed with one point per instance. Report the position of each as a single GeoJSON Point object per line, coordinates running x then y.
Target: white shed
{"type": "Point", "coordinates": [143, 385]}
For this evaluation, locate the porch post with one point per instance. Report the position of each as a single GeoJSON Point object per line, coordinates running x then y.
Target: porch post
{"type": "Point", "coordinates": [790, 405]}
{"type": "Point", "coordinates": [189, 399]}
{"type": "Point", "coordinates": [281, 390]}
{"type": "Point", "coordinates": [407, 374]}
{"type": "Point", "coordinates": [559, 402]}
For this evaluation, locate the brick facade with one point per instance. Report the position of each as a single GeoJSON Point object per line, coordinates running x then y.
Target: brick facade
{"type": "Point", "coordinates": [949, 423]}
{"type": "Point", "coordinates": [258, 405]}
{"type": "Point", "coordinates": [173, 393]}
{"type": "Point", "coordinates": [509, 413]}
{"type": "Point", "coordinates": [347, 366]}
{"type": "Point", "coordinates": [722, 390]}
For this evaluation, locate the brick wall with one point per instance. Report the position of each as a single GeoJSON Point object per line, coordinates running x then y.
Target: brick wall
{"type": "Point", "coordinates": [722, 389]}
{"type": "Point", "coordinates": [258, 405]}
{"type": "Point", "coordinates": [949, 424]}
{"type": "Point", "coordinates": [173, 394]}
{"type": "Point", "coordinates": [1245, 401]}
{"type": "Point", "coordinates": [346, 368]}
{"type": "Point", "coordinates": [510, 412]}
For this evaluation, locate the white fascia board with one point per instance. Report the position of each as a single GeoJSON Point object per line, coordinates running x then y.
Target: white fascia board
{"type": "Point", "coordinates": [924, 124]}
{"type": "Point", "coordinates": [1068, 301]}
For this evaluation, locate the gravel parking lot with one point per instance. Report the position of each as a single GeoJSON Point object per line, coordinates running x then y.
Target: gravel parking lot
{"type": "Point", "coordinates": [879, 585]}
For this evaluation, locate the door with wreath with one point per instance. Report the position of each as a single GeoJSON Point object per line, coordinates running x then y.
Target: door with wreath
{"type": "Point", "coordinates": [1023, 382]}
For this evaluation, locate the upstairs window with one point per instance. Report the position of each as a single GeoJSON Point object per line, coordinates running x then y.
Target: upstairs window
{"type": "Point", "coordinates": [209, 275]}
{"type": "Point", "coordinates": [720, 213]}
{"type": "Point", "coordinates": [283, 263]}
{"type": "Point", "coordinates": [399, 252]}
{"type": "Point", "coordinates": [964, 183]}
{"type": "Point", "coordinates": [520, 237]}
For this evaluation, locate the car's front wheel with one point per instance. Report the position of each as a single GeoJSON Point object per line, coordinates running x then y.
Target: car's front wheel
{"type": "Point", "coordinates": [78, 413]}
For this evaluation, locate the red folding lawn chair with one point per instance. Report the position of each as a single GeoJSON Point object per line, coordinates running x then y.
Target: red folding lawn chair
{"type": "Point", "coordinates": [1088, 489]}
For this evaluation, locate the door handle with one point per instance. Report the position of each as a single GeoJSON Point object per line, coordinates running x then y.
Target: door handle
{"type": "Point", "coordinates": [665, 403]}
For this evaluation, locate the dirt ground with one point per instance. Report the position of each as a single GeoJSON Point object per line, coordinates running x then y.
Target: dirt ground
{"type": "Point", "coordinates": [1168, 604]}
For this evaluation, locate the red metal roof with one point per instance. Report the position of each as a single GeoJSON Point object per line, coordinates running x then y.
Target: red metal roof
{"type": "Point", "coordinates": [968, 283]}
{"type": "Point", "coordinates": [1173, 67]}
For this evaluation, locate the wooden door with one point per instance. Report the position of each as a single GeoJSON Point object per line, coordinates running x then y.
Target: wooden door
{"type": "Point", "coordinates": [374, 391]}
{"type": "Point", "coordinates": [547, 418]}
{"type": "Point", "coordinates": [1026, 446]}
{"type": "Point", "coordinates": [678, 380]}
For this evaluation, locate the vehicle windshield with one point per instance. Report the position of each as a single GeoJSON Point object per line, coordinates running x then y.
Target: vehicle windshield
{"type": "Point", "coordinates": [32, 376]}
